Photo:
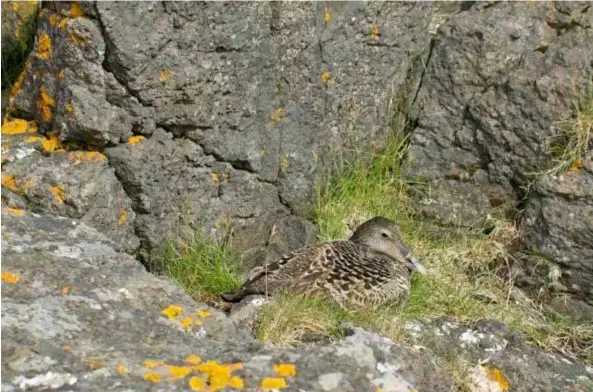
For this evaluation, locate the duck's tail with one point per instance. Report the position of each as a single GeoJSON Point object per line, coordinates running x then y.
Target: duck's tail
{"type": "Point", "coordinates": [234, 296]}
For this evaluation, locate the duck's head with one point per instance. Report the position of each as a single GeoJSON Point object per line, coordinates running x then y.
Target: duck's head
{"type": "Point", "coordinates": [382, 235]}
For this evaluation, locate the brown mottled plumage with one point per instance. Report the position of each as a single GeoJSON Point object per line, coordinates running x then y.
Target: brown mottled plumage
{"type": "Point", "coordinates": [369, 269]}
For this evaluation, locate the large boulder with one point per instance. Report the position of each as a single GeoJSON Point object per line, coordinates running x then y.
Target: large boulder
{"type": "Point", "coordinates": [499, 76]}
{"type": "Point", "coordinates": [77, 314]}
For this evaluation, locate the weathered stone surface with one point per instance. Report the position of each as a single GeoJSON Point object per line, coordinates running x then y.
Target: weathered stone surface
{"type": "Point", "coordinates": [84, 317]}
{"type": "Point", "coordinates": [75, 184]}
{"type": "Point", "coordinates": [558, 225]}
{"type": "Point", "coordinates": [498, 358]}
{"type": "Point", "coordinates": [499, 76]}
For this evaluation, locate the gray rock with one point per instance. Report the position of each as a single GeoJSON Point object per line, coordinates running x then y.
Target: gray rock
{"type": "Point", "coordinates": [499, 76]}
{"type": "Point", "coordinates": [558, 225]}
{"type": "Point", "coordinates": [85, 317]}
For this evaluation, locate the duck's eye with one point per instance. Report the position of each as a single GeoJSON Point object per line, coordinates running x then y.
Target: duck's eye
{"type": "Point", "coordinates": [384, 235]}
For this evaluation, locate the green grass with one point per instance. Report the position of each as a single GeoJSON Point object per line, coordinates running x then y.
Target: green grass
{"type": "Point", "coordinates": [464, 284]}
{"type": "Point", "coordinates": [574, 137]}
{"type": "Point", "coordinates": [201, 266]}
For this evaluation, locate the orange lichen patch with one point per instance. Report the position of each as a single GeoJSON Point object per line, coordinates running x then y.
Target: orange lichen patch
{"type": "Point", "coordinates": [153, 377]}
{"type": "Point", "coordinates": [121, 370]}
{"type": "Point", "coordinates": [285, 369]}
{"type": "Point", "coordinates": [164, 75]}
{"type": "Point", "coordinates": [219, 376]}
{"type": "Point", "coordinates": [577, 165]}
{"type": "Point", "coordinates": [204, 313]}
{"type": "Point", "coordinates": [52, 143]}
{"type": "Point", "coordinates": [193, 359]}
{"type": "Point", "coordinates": [496, 375]}
{"type": "Point", "coordinates": [61, 74]}
{"type": "Point", "coordinates": [196, 383]}
{"type": "Point", "coordinates": [16, 87]}
{"type": "Point", "coordinates": [44, 47]}
{"type": "Point", "coordinates": [325, 77]}
{"type": "Point", "coordinates": [18, 127]}
{"type": "Point", "coordinates": [327, 15]}
{"type": "Point", "coordinates": [86, 156]}
{"type": "Point", "coordinates": [187, 322]}
{"type": "Point", "coordinates": [45, 104]}
{"type": "Point", "coordinates": [13, 211]}
{"type": "Point", "coordinates": [135, 139]}
{"type": "Point", "coordinates": [76, 11]}
{"type": "Point", "coordinates": [172, 311]}
{"type": "Point", "coordinates": [236, 382]}
{"type": "Point", "coordinates": [152, 364]}
{"type": "Point", "coordinates": [123, 217]}
{"type": "Point", "coordinates": [375, 32]}
{"type": "Point", "coordinates": [178, 372]}
{"type": "Point", "coordinates": [65, 290]}
{"type": "Point", "coordinates": [277, 115]}
{"type": "Point", "coordinates": [273, 383]}
{"type": "Point", "coordinates": [69, 108]}
{"type": "Point", "coordinates": [67, 348]}
{"type": "Point", "coordinates": [63, 23]}
{"type": "Point", "coordinates": [9, 182]}
{"type": "Point", "coordinates": [9, 277]}
{"type": "Point", "coordinates": [58, 192]}
{"type": "Point", "coordinates": [53, 20]}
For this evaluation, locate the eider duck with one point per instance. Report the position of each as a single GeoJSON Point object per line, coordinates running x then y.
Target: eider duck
{"type": "Point", "coordinates": [369, 269]}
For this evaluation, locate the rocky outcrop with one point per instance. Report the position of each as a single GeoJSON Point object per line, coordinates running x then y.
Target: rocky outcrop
{"type": "Point", "coordinates": [233, 111]}
{"type": "Point", "coordinates": [77, 314]}
{"type": "Point", "coordinates": [499, 78]}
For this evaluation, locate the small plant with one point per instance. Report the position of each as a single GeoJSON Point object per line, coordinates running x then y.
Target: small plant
{"type": "Point", "coordinates": [201, 266]}
{"type": "Point", "coordinates": [575, 137]}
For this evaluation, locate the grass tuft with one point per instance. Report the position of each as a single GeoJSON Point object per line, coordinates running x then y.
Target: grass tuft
{"type": "Point", "coordinates": [201, 266]}
{"type": "Point", "coordinates": [575, 137]}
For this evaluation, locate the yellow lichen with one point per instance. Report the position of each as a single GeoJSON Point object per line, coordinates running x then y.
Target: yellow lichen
{"type": "Point", "coordinates": [9, 182]}
{"type": "Point", "coordinates": [9, 277]}
{"type": "Point", "coordinates": [375, 32]}
{"type": "Point", "coordinates": [327, 15]}
{"type": "Point", "coordinates": [65, 290]}
{"type": "Point", "coordinates": [18, 127]}
{"type": "Point", "coordinates": [283, 163]}
{"type": "Point", "coordinates": [52, 143]}
{"type": "Point", "coordinates": [152, 364]}
{"type": "Point", "coordinates": [61, 74]}
{"type": "Point", "coordinates": [219, 376]}
{"type": "Point", "coordinates": [187, 322]}
{"type": "Point", "coordinates": [285, 369]}
{"type": "Point", "coordinates": [172, 311]}
{"type": "Point", "coordinates": [273, 383]}
{"type": "Point", "coordinates": [58, 192]}
{"type": "Point", "coordinates": [214, 177]}
{"type": "Point", "coordinates": [577, 165]}
{"type": "Point", "coordinates": [164, 76]}
{"type": "Point", "coordinates": [121, 370]}
{"type": "Point", "coordinates": [69, 108]}
{"type": "Point", "coordinates": [76, 11]}
{"type": "Point", "coordinates": [135, 139]}
{"type": "Point", "coordinates": [196, 383]}
{"type": "Point", "coordinates": [94, 364]}
{"type": "Point", "coordinates": [123, 217]}
{"type": "Point", "coordinates": [178, 372]}
{"type": "Point", "coordinates": [496, 375]}
{"type": "Point", "coordinates": [13, 211]}
{"type": "Point", "coordinates": [236, 382]}
{"type": "Point", "coordinates": [53, 20]}
{"type": "Point", "coordinates": [63, 23]}
{"type": "Point", "coordinates": [193, 359]}
{"type": "Point", "coordinates": [44, 47]}
{"type": "Point", "coordinates": [82, 156]}
{"type": "Point", "coordinates": [67, 348]}
{"type": "Point", "coordinates": [204, 313]}
{"type": "Point", "coordinates": [153, 377]}
{"type": "Point", "coordinates": [35, 139]}
{"type": "Point", "coordinates": [45, 104]}
{"type": "Point", "coordinates": [325, 78]}
{"type": "Point", "coordinates": [16, 87]}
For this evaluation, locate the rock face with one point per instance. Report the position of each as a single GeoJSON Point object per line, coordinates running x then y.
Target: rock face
{"type": "Point", "coordinates": [243, 106]}
{"type": "Point", "coordinates": [79, 315]}
{"type": "Point", "coordinates": [499, 78]}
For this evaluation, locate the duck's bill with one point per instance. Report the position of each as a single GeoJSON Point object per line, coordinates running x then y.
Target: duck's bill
{"type": "Point", "coordinates": [414, 265]}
